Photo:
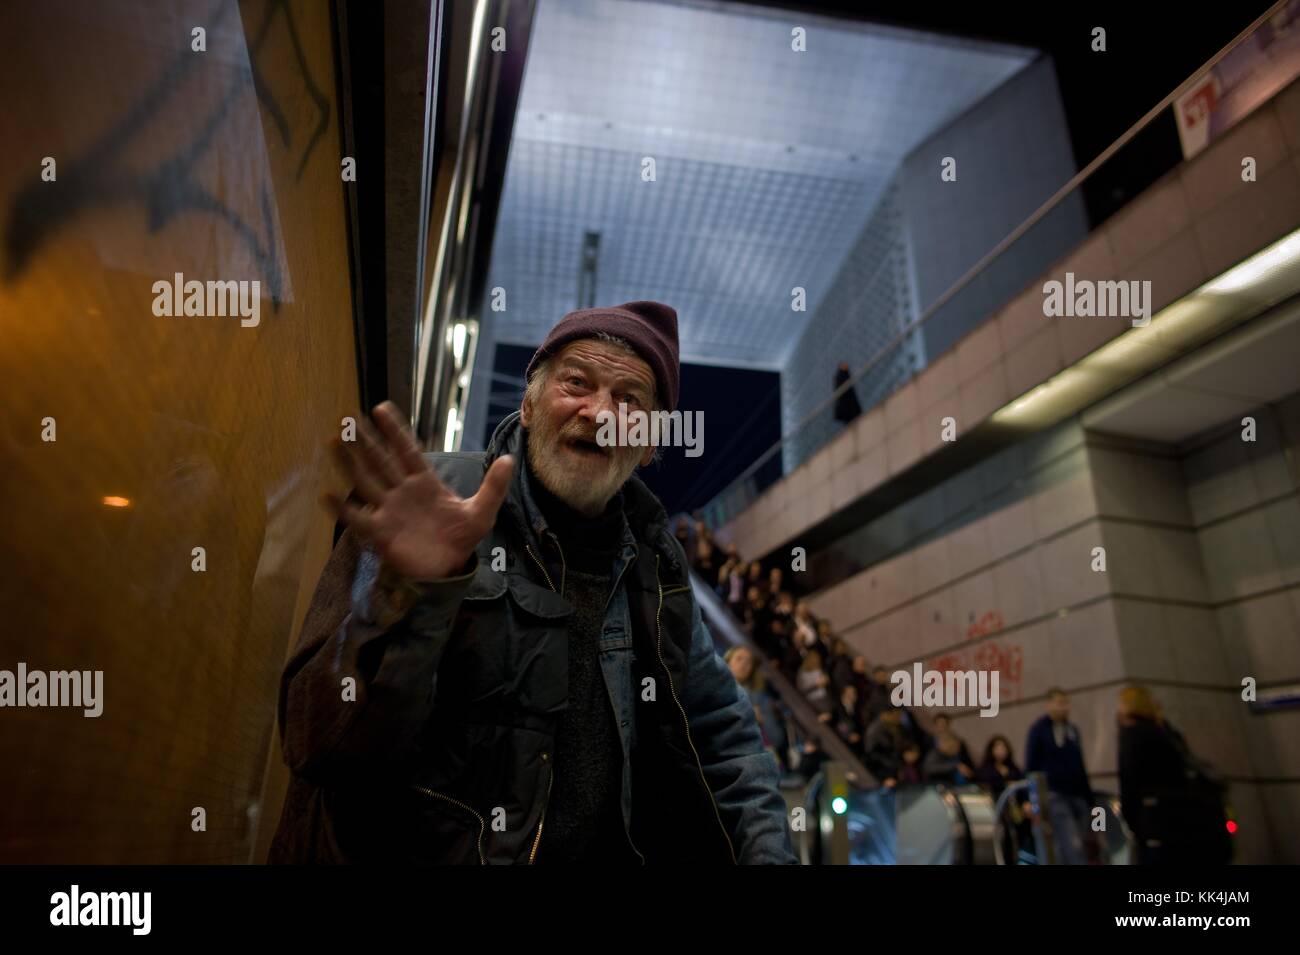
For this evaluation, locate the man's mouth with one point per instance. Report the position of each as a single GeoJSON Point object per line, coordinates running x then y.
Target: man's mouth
{"type": "Point", "coordinates": [587, 447]}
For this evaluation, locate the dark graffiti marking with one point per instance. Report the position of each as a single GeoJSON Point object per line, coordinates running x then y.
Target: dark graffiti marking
{"type": "Point", "coordinates": [96, 178]}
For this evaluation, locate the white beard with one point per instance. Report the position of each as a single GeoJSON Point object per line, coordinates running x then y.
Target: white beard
{"type": "Point", "coordinates": [586, 485]}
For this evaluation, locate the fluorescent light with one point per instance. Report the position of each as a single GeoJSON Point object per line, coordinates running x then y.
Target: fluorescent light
{"type": "Point", "coordinates": [458, 342]}
{"type": "Point", "coordinates": [449, 439]}
{"type": "Point", "coordinates": [1021, 403]}
{"type": "Point", "coordinates": [1258, 267]}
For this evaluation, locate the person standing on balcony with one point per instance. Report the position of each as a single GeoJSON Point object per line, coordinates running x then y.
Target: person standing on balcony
{"type": "Point", "coordinates": [846, 405]}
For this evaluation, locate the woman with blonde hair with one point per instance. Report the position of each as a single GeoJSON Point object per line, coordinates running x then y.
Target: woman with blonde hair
{"type": "Point", "coordinates": [1136, 701]}
{"type": "Point", "coordinates": [1174, 809]}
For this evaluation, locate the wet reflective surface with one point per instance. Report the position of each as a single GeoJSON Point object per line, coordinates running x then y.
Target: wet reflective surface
{"type": "Point", "coordinates": [129, 439]}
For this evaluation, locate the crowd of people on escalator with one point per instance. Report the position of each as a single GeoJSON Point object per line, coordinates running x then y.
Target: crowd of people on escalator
{"type": "Point", "coordinates": [1171, 803]}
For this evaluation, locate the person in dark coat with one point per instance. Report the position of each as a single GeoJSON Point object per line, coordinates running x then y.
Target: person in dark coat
{"type": "Point", "coordinates": [878, 693]}
{"type": "Point", "coordinates": [1173, 809]}
{"type": "Point", "coordinates": [999, 769]}
{"type": "Point", "coordinates": [883, 746]}
{"type": "Point", "coordinates": [943, 764]}
{"type": "Point", "coordinates": [996, 773]}
{"type": "Point", "coordinates": [846, 405]}
{"type": "Point", "coordinates": [467, 687]}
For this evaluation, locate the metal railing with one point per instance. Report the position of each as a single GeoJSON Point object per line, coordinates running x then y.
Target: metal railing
{"type": "Point", "coordinates": [1115, 838]}
{"type": "Point", "coordinates": [725, 627]}
{"type": "Point", "coordinates": [744, 489]}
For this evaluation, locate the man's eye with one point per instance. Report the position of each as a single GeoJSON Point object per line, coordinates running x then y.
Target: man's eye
{"type": "Point", "coordinates": [576, 380]}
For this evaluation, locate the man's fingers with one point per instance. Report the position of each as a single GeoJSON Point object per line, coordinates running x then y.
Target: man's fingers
{"type": "Point", "coordinates": [401, 442]}
{"type": "Point", "coordinates": [378, 456]}
{"type": "Point", "coordinates": [355, 465]}
{"type": "Point", "coordinates": [492, 492]}
{"type": "Point", "coordinates": [351, 515]}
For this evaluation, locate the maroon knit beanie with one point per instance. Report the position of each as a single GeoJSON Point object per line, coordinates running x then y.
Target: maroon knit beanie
{"type": "Point", "coordinates": [649, 327]}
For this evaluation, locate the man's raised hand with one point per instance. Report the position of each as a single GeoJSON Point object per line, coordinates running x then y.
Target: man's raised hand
{"type": "Point", "coordinates": [416, 525]}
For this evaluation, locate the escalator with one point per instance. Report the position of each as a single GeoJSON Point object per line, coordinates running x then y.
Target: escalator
{"type": "Point", "coordinates": [841, 815]}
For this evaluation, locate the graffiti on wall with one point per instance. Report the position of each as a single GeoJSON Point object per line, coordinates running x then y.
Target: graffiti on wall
{"type": "Point", "coordinates": [103, 175]}
{"type": "Point", "coordinates": [1004, 656]}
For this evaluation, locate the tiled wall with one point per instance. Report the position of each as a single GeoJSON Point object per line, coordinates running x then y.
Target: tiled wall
{"type": "Point", "coordinates": [1164, 599]}
{"type": "Point", "coordinates": [1244, 502]}
{"type": "Point", "coordinates": [1012, 151]}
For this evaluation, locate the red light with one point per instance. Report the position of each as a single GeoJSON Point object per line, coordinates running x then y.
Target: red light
{"type": "Point", "coordinates": [1232, 827]}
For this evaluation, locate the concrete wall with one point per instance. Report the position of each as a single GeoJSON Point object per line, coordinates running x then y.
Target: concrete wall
{"type": "Point", "coordinates": [1164, 610]}
{"type": "Point", "coordinates": [1012, 151]}
{"type": "Point", "coordinates": [1244, 502]}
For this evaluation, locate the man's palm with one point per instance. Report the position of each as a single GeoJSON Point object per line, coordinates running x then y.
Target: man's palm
{"type": "Point", "coordinates": [417, 526]}
{"type": "Point", "coordinates": [424, 531]}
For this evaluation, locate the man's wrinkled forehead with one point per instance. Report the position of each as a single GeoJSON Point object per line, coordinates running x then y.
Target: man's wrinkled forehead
{"type": "Point", "coordinates": [608, 359]}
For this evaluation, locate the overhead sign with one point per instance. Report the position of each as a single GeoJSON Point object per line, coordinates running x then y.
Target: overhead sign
{"type": "Point", "coordinates": [1262, 64]}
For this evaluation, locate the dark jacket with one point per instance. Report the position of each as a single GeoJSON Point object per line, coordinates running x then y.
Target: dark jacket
{"type": "Point", "coordinates": [938, 768]}
{"type": "Point", "coordinates": [1173, 809]}
{"type": "Point", "coordinates": [1062, 764]}
{"type": "Point", "coordinates": [882, 748]}
{"type": "Point", "coordinates": [988, 775]}
{"type": "Point", "coordinates": [445, 754]}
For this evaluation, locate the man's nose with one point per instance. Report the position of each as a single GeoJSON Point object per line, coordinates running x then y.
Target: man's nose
{"type": "Point", "coordinates": [598, 401]}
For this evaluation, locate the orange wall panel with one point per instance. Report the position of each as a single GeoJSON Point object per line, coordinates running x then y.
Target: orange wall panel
{"type": "Point", "coordinates": [223, 165]}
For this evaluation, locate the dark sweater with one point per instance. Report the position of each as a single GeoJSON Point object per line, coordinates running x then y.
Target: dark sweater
{"type": "Point", "coordinates": [584, 816]}
{"type": "Point", "coordinates": [1062, 764]}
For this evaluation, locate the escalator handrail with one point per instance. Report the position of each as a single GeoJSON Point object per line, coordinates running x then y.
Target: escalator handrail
{"type": "Point", "coordinates": [722, 623]}
{"type": "Point", "coordinates": [1027, 784]}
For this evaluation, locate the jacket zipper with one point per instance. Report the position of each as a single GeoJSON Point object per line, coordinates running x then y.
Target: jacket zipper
{"type": "Point", "coordinates": [659, 646]}
{"type": "Point", "coordinates": [618, 580]}
{"type": "Point", "coordinates": [537, 839]}
{"type": "Point", "coordinates": [541, 822]}
{"type": "Point", "coordinates": [457, 802]}
{"type": "Point", "coordinates": [541, 566]}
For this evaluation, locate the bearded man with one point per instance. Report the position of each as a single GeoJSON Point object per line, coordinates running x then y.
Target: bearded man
{"type": "Point", "coordinates": [504, 661]}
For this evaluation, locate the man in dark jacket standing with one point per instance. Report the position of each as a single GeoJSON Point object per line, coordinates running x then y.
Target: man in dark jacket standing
{"type": "Point", "coordinates": [1054, 748]}
{"type": "Point", "coordinates": [504, 661]}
